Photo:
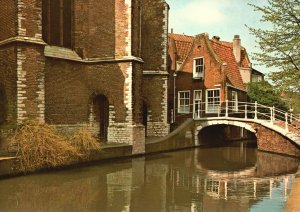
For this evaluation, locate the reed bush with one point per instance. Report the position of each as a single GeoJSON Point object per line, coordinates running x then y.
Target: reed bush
{"type": "Point", "coordinates": [41, 146]}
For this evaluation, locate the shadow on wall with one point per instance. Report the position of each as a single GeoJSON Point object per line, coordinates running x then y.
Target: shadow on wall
{"type": "Point", "coordinates": [3, 105]}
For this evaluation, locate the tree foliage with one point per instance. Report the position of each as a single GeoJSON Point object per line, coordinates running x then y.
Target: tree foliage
{"type": "Point", "coordinates": [280, 43]}
{"type": "Point", "coordinates": [265, 94]}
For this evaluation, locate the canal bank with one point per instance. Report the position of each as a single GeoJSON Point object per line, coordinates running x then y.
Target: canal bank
{"type": "Point", "coordinates": [180, 138]}
{"type": "Point", "coordinates": [293, 203]}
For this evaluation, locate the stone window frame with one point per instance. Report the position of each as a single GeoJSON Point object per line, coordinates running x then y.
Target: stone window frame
{"type": "Point", "coordinates": [184, 102]}
{"type": "Point", "coordinates": [215, 106]}
{"type": "Point", "coordinates": [198, 68]}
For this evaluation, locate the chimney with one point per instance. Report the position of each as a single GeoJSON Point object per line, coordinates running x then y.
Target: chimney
{"type": "Point", "coordinates": [216, 38]}
{"type": "Point", "coordinates": [237, 48]}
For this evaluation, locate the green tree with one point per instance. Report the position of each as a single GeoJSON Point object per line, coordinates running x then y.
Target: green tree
{"type": "Point", "coordinates": [265, 94]}
{"type": "Point", "coordinates": [280, 42]}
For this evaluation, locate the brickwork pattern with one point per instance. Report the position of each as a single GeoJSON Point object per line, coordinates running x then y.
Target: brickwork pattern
{"type": "Point", "coordinates": [8, 16]}
{"type": "Point", "coordinates": [30, 83]}
{"type": "Point", "coordinates": [154, 42]}
{"type": "Point", "coordinates": [8, 85]}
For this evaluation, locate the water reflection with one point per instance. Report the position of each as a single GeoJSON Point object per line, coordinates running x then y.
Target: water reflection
{"type": "Point", "coordinates": [218, 179]}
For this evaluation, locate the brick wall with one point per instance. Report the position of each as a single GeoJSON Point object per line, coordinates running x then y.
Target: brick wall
{"type": "Point", "coordinates": [154, 42]}
{"type": "Point", "coordinates": [30, 82]}
{"type": "Point", "coordinates": [8, 17]}
{"type": "Point", "coordinates": [8, 86]}
{"type": "Point", "coordinates": [271, 141]}
{"type": "Point", "coordinates": [95, 21]}
{"type": "Point", "coordinates": [156, 101]}
{"type": "Point", "coordinates": [154, 53]}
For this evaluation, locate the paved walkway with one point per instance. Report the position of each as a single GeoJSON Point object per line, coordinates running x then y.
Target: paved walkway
{"type": "Point", "coordinates": [293, 204]}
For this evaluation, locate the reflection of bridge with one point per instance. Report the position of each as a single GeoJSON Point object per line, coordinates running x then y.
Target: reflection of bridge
{"type": "Point", "coordinates": [259, 119]}
{"type": "Point", "coordinates": [231, 186]}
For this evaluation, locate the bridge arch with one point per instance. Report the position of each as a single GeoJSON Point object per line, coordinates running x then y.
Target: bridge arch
{"type": "Point", "coordinates": [203, 124]}
{"type": "Point", "coordinates": [270, 137]}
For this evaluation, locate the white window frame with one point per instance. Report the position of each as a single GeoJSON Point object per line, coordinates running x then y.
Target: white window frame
{"type": "Point", "coordinates": [198, 74]}
{"type": "Point", "coordinates": [197, 102]}
{"type": "Point", "coordinates": [186, 106]}
{"type": "Point", "coordinates": [217, 106]}
{"type": "Point", "coordinates": [234, 99]}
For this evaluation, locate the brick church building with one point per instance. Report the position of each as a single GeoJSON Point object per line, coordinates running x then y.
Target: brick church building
{"type": "Point", "coordinates": [74, 63]}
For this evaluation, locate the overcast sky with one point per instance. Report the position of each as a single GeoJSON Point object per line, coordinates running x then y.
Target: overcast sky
{"type": "Point", "coordinates": [224, 18]}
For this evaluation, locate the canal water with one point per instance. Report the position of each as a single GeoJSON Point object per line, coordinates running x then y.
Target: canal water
{"type": "Point", "coordinates": [202, 179]}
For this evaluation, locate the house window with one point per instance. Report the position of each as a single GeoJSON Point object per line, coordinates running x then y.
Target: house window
{"type": "Point", "coordinates": [197, 103]}
{"type": "Point", "coordinates": [212, 100]}
{"type": "Point", "coordinates": [183, 101]}
{"type": "Point", "coordinates": [198, 68]}
{"type": "Point", "coordinates": [57, 22]}
{"type": "Point", "coordinates": [234, 100]}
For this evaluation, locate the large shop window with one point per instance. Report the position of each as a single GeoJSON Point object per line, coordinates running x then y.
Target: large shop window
{"type": "Point", "coordinates": [212, 100]}
{"type": "Point", "coordinates": [57, 22]}
{"type": "Point", "coordinates": [183, 101]}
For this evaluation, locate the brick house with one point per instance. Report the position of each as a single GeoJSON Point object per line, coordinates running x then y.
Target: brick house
{"type": "Point", "coordinates": [206, 72]}
{"type": "Point", "coordinates": [74, 63]}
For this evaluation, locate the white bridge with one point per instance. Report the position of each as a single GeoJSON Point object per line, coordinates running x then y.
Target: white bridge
{"type": "Point", "coordinates": [242, 114]}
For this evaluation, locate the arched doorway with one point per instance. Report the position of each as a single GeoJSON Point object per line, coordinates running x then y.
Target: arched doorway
{"type": "Point", "coordinates": [101, 110]}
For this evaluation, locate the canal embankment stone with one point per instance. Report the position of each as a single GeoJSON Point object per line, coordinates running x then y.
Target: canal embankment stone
{"type": "Point", "coordinates": [293, 203]}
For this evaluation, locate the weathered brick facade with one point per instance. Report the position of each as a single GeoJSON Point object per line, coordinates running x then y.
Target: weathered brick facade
{"type": "Point", "coordinates": [115, 50]}
{"type": "Point", "coordinates": [219, 71]}
{"type": "Point", "coordinates": [154, 54]}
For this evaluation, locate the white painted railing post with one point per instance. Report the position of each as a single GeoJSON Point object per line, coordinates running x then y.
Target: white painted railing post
{"type": "Point", "coordinates": [286, 122]}
{"type": "Point", "coordinates": [199, 112]}
{"type": "Point", "coordinates": [246, 111]}
{"type": "Point", "coordinates": [291, 117]}
{"type": "Point", "coordinates": [255, 110]}
{"type": "Point", "coordinates": [271, 115]}
{"type": "Point", "coordinates": [226, 108]}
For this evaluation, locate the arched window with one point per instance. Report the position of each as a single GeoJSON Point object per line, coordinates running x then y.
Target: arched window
{"type": "Point", "coordinates": [57, 22]}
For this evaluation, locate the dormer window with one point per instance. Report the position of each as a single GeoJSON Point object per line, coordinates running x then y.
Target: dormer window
{"type": "Point", "coordinates": [198, 68]}
{"type": "Point", "coordinates": [57, 22]}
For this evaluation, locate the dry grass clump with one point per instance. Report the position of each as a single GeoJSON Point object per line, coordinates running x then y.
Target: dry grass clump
{"type": "Point", "coordinates": [85, 142]}
{"type": "Point", "coordinates": [41, 146]}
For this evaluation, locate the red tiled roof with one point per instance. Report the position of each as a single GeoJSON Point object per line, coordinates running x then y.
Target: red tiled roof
{"type": "Point", "coordinates": [244, 59]}
{"type": "Point", "coordinates": [225, 53]}
{"type": "Point", "coordinates": [245, 63]}
{"type": "Point", "coordinates": [183, 45]}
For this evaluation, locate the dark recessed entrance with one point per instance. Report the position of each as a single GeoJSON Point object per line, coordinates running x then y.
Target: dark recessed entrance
{"type": "Point", "coordinates": [101, 109]}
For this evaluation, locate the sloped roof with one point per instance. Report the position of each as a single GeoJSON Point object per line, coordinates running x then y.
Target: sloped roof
{"type": "Point", "coordinates": [223, 49]}
{"type": "Point", "coordinates": [183, 45]}
{"type": "Point", "coordinates": [245, 63]}
{"type": "Point", "coordinates": [225, 53]}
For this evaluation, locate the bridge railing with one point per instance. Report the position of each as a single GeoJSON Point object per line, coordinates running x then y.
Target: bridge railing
{"type": "Point", "coordinates": [247, 110]}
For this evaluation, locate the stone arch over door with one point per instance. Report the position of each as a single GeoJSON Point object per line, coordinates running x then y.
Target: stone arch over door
{"type": "Point", "coordinates": [100, 115]}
